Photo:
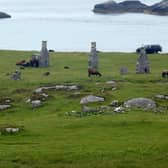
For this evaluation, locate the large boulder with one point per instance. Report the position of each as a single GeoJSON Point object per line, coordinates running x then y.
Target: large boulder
{"type": "Point", "coordinates": [143, 103]}
{"type": "Point", "coordinates": [5, 106]}
{"type": "Point", "coordinates": [91, 99]}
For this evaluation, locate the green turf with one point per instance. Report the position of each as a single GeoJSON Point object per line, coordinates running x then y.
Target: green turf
{"type": "Point", "coordinates": [51, 139]}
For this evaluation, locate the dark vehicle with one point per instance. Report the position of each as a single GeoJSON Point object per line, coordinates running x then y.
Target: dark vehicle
{"type": "Point", "coordinates": [151, 49]}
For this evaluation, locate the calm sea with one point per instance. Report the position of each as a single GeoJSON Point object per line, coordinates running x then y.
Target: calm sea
{"type": "Point", "coordinates": [70, 25]}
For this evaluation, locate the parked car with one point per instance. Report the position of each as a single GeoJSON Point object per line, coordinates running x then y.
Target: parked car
{"type": "Point", "coordinates": [151, 49]}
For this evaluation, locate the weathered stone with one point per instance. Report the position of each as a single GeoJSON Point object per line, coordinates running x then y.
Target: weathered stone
{"type": "Point", "coordinates": [44, 95]}
{"type": "Point", "coordinates": [3, 107]}
{"type": "Point", "coordinates": [16, 75]}
{"type": "Point", "coordinates": [105, 108]}
{"type": "Point", "coordinates": [87, 109]}
{"type": "Point", "coordinates": [143, 103]}
{"type": "Point", "coordinates": [160, 96]}
{"type": "Point", "coordinates": [165, 97]}
{"type": "Point", "coordinates": [114, 103]}
{"type": "Point", "coordinates": [91, 99]}
{"type": "Point", "coordinates": [28, 101]}
{"type": "Point", "coordinates": [36, 103]}
{"type": "Point", "coordinates": [114, 88]}
{"type": "Point", "coordinates": [7, 101]}
{"type": "Point", "coordinates": [44, 55]}
{"type": "Point", "coordinates": [119, 110]}
{"type": "Point", "coordinates": [93, 58]}
{"type": "Point", "coordinates": [57, 87]}
{"type": "Point", "coordinates": [143, 64]}
{"type": "Point", "coordinates": [113, 83]}
{"type": "Point", "coordinates": [12, 130]}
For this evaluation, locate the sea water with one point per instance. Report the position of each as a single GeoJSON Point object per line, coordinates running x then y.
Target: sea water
{"type": "Point", "coordinates": [70, 25]}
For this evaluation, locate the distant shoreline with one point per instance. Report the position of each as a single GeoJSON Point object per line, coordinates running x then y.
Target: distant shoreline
{"type": "Point", "coordinates": [128, 6]}
{"type": "Point", "coordinates": [4, 15]}
{"type": "Point", "coordinates": [64, 51]}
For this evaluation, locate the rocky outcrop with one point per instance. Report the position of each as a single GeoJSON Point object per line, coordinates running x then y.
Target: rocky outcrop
{"type": "Point", "coordinates": [143, 103]}
{"type": "Point", "coordinates": [160, 8]}
{"type": "Point", "coordinates": [132, 6]}
{"type": "Point", "coordinates": [4, 15]}
{"type": "Point", "coordinates": [91, 99]}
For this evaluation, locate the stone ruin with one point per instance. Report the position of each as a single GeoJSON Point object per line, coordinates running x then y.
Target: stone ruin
{"type": "Point", "coordinates": [41, 59]}
{"type": "Point", "coordinates": [16, 75]}
{"type": "Point", "coordinates": [143, 64]}
{"type": "Point", "coordinates": [44, 55]}
{"type": "Point", "coordinates": [93, 58]}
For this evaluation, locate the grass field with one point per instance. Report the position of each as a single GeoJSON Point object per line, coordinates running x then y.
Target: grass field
{"type": "Point", "coordinates": [50, 139]}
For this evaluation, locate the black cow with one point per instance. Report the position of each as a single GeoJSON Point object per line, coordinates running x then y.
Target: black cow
{"type": "Point", "coordinates": [165, 74]}
{"type": "Point", "coordinates": [93, 72]}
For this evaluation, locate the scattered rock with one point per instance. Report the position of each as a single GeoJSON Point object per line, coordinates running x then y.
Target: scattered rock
{"type": "Point", "coordinates": [16, 75]}
{"type": "Point", "coordinates": [39, 96]}
{"type": "Point", "coordinates": [87, 109]}
{"type": "Point", "coordinates": [58, 87]}
{"type": "Point", "coordinates": [91, 99]}
{"type": "Point", "coordinates": [114, 103]}
{"type": "Point", "coordinates": [164, 97]}
{"type": "Point", "coordinates": [119, 109]}
{"type": "Point", "coordinates": [143, 103]}
{"type": "Point", "coordinates": [105, 108]}
{"type": "Point", "coordinates": [36, 103]}
{"type": "Point", "coordinates": [3, 107]}
{"type": "Point", "coordinates": [28, 101]}
{"type": "Point", "coordinates": [5, 100]}
{"type": "Point", "coordinates": [12, 130]}
{"type": "Point", "coordinates": [111, 82]}
{"type": "Point", "coordinates": [159, 96]}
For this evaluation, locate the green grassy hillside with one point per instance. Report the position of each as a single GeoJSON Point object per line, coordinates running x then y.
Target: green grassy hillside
{"type": "Point", "coordinates": [51, 139]}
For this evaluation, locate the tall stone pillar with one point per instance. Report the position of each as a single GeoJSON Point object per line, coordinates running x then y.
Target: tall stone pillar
{"type": "Point", "coordinates": [93, 58]}
{"type": "Point", "coordinates": [143, 64]}
{"type": "Point", "coordinates": [44, 55]}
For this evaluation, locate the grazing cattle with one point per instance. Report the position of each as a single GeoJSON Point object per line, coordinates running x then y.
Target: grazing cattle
{"type": "Point", "coordinates": [66, 67]}
{"type": "Point", "coordinates": [46, 73]}
{"type": "Point", "coordinates": [20, 62]}
{"type": "Point", "coordinates": [93, 72]}
{"type": "Point", "coordinates": [165, 74]}
{"type": "Point", "coordinates": [51, 50]}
